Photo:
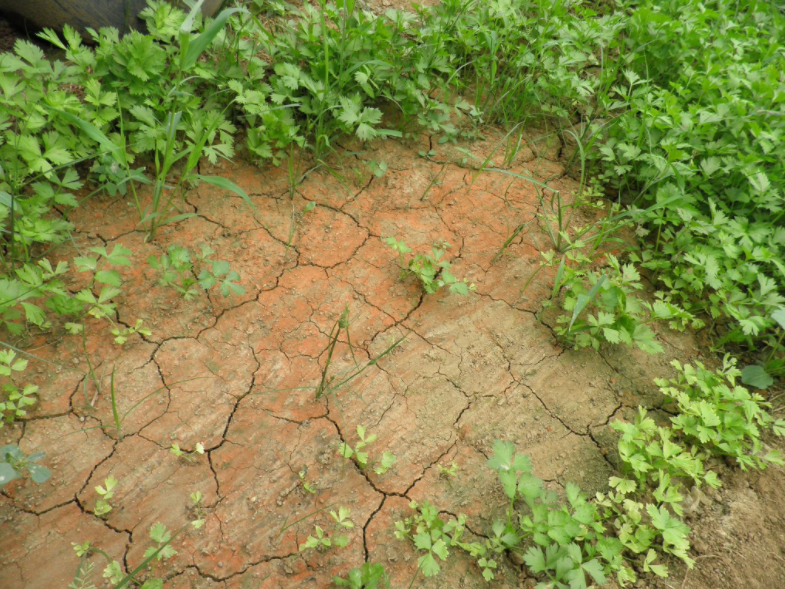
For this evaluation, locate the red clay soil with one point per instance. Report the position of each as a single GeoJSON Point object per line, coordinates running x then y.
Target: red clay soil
{"type": "Point", "coordinates": [471, 370]}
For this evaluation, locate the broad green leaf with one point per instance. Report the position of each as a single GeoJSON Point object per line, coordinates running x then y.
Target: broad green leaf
{"type": "Point", "coordinates": [535, 559]}
{"type": "Point", "coordinates": [7, 473]}
{"type": "Point", "coordinates": [756, 376]}
{"type": "Point", "coordinates": [39, 474]}
{"type": "Point", "coordinates": [779, 316]}
{"type": "Point", "coordinates": [110, 277]}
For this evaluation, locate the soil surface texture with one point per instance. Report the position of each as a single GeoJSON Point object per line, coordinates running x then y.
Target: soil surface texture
{"type": "Point", "coordinates": [239, 375]}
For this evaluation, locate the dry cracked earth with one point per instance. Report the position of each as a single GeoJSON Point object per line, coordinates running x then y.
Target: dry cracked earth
{"type": "Point", "coordinates": [238, 375]}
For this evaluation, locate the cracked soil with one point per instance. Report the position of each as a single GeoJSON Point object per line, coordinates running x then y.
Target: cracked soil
{"type": "Point", "coordinates": [238, 375]}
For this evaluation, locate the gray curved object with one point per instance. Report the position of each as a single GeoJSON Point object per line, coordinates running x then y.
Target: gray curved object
{"type": "Point", "coordinates": [83, 14]}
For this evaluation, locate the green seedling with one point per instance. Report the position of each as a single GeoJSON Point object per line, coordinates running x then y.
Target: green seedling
{"type": "Point", "coordinates": [179, 271]}
{"type": "Point", "coordinates": [102, 504]}
{"type": "Point", "coordinates": [361, 458]}
{"type": "Point", "coordinates": [121, 335]}
{"type": "Point", "coordinates": [355, 453]}
{"type": "Point", "coordinates": [430, 269]}
{"type": "Point", "coordinates": [17, 397]}
{"type": "Point", "coordinates": [307, 486]}
{"type": "Point", "coordinates": [378, 169]}
{"type": "Point", "coordinates": [187, 456]}
{"type": "Point", "coordinates": [321, 541]}
{"type": "Point", "coordinates": [14, 464]}
{"type": "Point", "coordinates": [371, 575]}
{"type": "Point", "coordinates": [385, 463]}
{"type": "Point", "coordinates": [449, 472]}
{"type": "Point", "coordinates": [196, 506]}
{"type": "Point", "coordinates": [400, 248]}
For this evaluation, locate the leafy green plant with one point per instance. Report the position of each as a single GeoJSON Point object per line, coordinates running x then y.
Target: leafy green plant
{"type": "Point", "coordinates": [430, 534]}
{"type": "Point", "coordinates": [322, 541]}
{"type": "Point", "coordinates": [179, 271]}
{"type": "Point", "coordinates": [761, 376]}
{"type": "Point", "coordinates": [651, 453]}
{"type": "Point", "coordinates": [620, 317]}
{"type": "Point", "coordinates": [567, 538]}
{"type": "Point", "coordinates": [331, 66]}
{"type": "Point", "coordinates": [187, 456]}
{"type": "Point", "coordinates": [430, 269]}
{"type": "Point", "coordinates": [720, 415]}
{"type": "Point", "coordinates": [113, 571]}
{"type": "Point", "coordinates": [16, 398]}
{"type": "Point", "coordinates": [359, 456]}
{"type": "Point", "coordinates": [13, 465]}
{"type": "Point", "coordinates": [371, 575]}
{"type": "Point", "coordinates": [105, 492]}
{"type": "Point", "coordinates": [197, 508]}
{"type": "Point", "coordinates": [716, 246]}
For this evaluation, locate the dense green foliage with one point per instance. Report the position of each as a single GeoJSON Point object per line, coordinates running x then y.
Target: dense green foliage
{"type": "Point", "coordinates": [699, 138]}
{"type": "Point", "coordinates": [703, 121]}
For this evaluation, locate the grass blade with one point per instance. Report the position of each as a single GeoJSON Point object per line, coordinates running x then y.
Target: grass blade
{"type": "Point", "coordinates": [115, 414]}
{"type": "Point", "coordinates": [584, 300]}
{"type": "Point", "coordinates": [557, 280]}
{"type": "Point", "coordinates": [130, 576]}
{"type": "Point", "coordinates": [95, 134]}
{"type": "Point", "coordinates": [227, 184]}
{"type": "Point", "coordinates": [197, 46]}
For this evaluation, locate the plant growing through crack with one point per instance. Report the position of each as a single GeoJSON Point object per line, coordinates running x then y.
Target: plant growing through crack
{"type": "Point", "coordinates": [360, 457]}
{"type": "Point", "coordinates": [179, 271]}
{"type": "Point", "coordinates": [449, 472]}
{"type": "Point", "coordinates": [121, 334]}
{"type": "Point", "coordinates": [160, 550]}
{"type": "Point", "coordinates": [430, 269]}
{"type": "Point", "coordinates": [113, 571]}
{"type": "Point", "coordinates": [321, 540]}
{"type": "Point", "coordinates": [329, 383]}
{"type": "Point", "coordinates": [371, 575]}
{"type": "Point", "coordinates": [184, 454]}
{"type": "Point", "coordinates": [106, 493]}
